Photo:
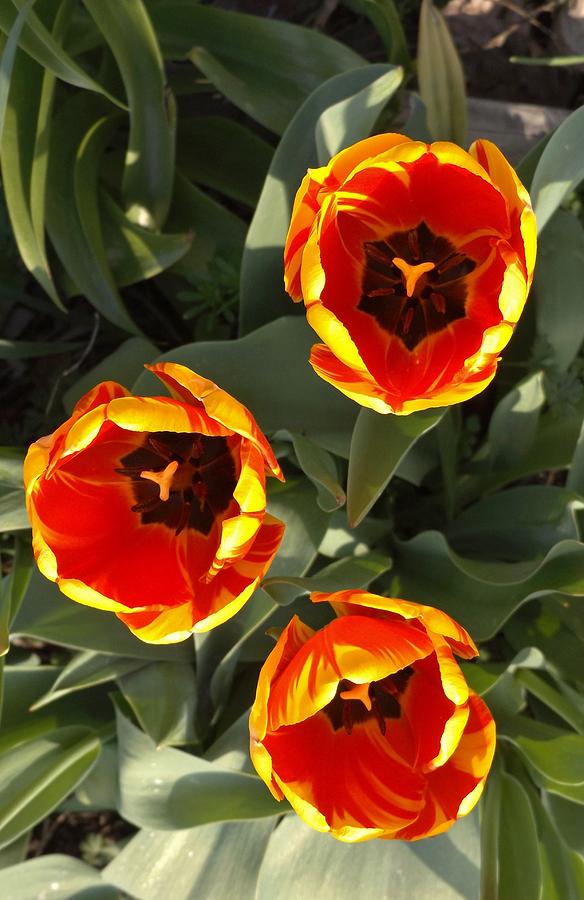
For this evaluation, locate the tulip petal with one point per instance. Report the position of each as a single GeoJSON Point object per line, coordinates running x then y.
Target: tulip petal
{"type": "Point", "coordinates": [218, 405]}
{"type": "Point", "coordinates": [505, 177]}
{"type": "Point", "coordinates": [355, 782]}
{"type": "Point", "coordinates": [352, 602]}
{"type": "Point", "coordinates": [359, 648]}
{"type": "Point", "coordinates": [455, 788]}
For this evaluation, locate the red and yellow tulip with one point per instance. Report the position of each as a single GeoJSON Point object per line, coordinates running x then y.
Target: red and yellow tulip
{"type": "Point", "coordinates": [368, 727]}
{"type": "Point", "coordinates": [414, 261]}
{"type": "Point", "coordinates": [155, 508]}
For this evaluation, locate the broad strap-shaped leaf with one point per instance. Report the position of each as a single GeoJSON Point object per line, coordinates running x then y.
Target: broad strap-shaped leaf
{"type": "Point", "coordinates": [148, 177]}
{"type": "Point", "coordinates": [441, 77]}
{"type": "Point", "coordinates": [168, 789]}
{"type": "Point", "coordinates": [560, 168]}
{"type": "Point", "coordinates": [559, 288]}
{"type": "Point", "coordinates": [208, 861]}
{"type": "Point", "coordinates": [300, 864]}
{"type": "Point", "coordinates": [427, 570]}
{"type": "Point", "coordinates": [265, 66]}
{"type": "Point", "coordinates": [519, 865]}
{"type": "Point", "coordinates": [67, 878]}
{"type": "Point", "coordinates": [40, 773]}
{"type": "Point", "coordinates": [37, 41]}
{"type": "Point", "coordinates": [363, 91]}
{"type": "Point", "coordinates": [378, 445]}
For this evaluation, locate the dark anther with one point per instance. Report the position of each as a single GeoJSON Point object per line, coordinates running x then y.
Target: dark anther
{"type": "Point", "coordinates": [414, 244]}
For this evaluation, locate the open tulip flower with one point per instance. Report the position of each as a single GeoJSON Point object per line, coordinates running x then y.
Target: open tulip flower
{"type": "Point", "coordinates": [368, 726]}
{"type": "Point", "coordinates": [154, 508]}
{"type": "Point", "coordinates": [414, 261]}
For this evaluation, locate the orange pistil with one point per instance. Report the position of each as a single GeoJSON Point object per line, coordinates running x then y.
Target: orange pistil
{"type": "Point", "coordinates": [358, 692]}
{"type": "Point", "coordinates": [412, 273]}
{"type": "Point", "coordinates": [163, 479]}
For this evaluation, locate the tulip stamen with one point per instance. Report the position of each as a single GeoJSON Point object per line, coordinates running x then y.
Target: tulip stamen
{"type": "Point", "coordinates": [414, 244]}
{"type": "Point", "coordinates": [381, 292]}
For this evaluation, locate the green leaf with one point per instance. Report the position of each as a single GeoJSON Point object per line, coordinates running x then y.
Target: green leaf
{"type": "Point", "coordinates": [427, 570]}
{"type": "Point", "coordinates": [560, 169]}
{"type": "Point", "coordinates": [208, 861]}
{"type": "Point", "coordinates": [124, 365]}
{"type": "Point", "coordinates": [23, 156]}
{"type": "Point", "coordinates": [542, 625]}
{"type": "Point", "coordinates": [490, 823]}
{"type": "Point", "coordinates": [519, 866]}
{"type": "Point", "coordinates": [526, 168]}
{"type": "Point", "coordinates": [321, 468]}
{"type": "Point", "coordinates": [38, 43]}
{"type": "Point", "coordinates": [8, 56]}
{"type": "Point", "coordinates": [305, 522]}
{"type": "Point", "coordinates": [268, 371]}
{"type": "Point", "coordinates": [168, 789]}
{"type": "Point", "coordinates": [552, 448]}
{"type": "Point", "coordinates": [386, 19]}
{"type": "Point", "coordinates": [34, 349]}
{"type": "Point", "coordinates": [37, 775]}
{"type": "Point", "coordinates": [262, 294]}
{"type": "Point", "coordinates": [441, 77]}
{"type": "Point", "coordinates": [134, 253]}
{"type": "Point", "coordinates": [11, 460]}
{"type": "Point", "coordinates": [13, 516]}
{"type": "Point", "coordinates": [300, 864]}
{"type": "Point", "coordinates": [85, 670]}
{"type": "Point", "coordinates": [575, 478]}
{"type": "Point", "coordinates": [498, 683]}
{"type": "Point", "coordinates": [552, 698]}
{"type": "Point", "coordinates": [558, 288]}
{"type": "Point", "coordinates": [557, 755]}
{"type": "Point", "coordinates": [354, 572]}
{"type": "Point", "coordinates": [265, 66]}
{"type": "Point", "coordinates": [569, 819]}
{"type": "Point", "coordinates": [48, 615]}
{"type": "Point", "coordinates": [519, 523]}
{"type": "Point", "coordinates": [12, 589]}
{"type": "Point", "coordinates": [217, 231]}
{"type": "Point", "coordinates": [162, 696]}
{"type": "Point", "coordinates": [65, 877]}
{"type": "Point", "coordinates": [559, 881]}
{"type": "Point", "coordinates": [148, 177]}
{"type": "Point", "coordinates": [513, 425]}
{"type": "Point", "coordinates": [15, 852]}
{"type": "Point", "coordinates": [378, 445]}
{"type": "Point", "coordinates": [338, 126]}
{"type": "Point", "coordinates": [224, 155]}
{"type": "Point", "coordinates": [73, 127]}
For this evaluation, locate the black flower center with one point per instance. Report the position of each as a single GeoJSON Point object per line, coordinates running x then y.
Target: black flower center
{"type": "Point", "coordinates": [383, 698]}
{"type": "Point", "coordinates": [414, 283]}
{"type": "Point", "coordinates": [181, 480]}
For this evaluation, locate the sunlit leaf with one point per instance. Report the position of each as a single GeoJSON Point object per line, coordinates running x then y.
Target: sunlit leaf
{"type": "Point", "coordinates": [262, 293]}
{"type": "Point", "coordinates": [560, 169]}
{"type": "Point", "coordinates": [441, 77]}
{"type": "Point", "coordinates": [265, 66]}
{"type": "Point", "coordinates": [378, 445]}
